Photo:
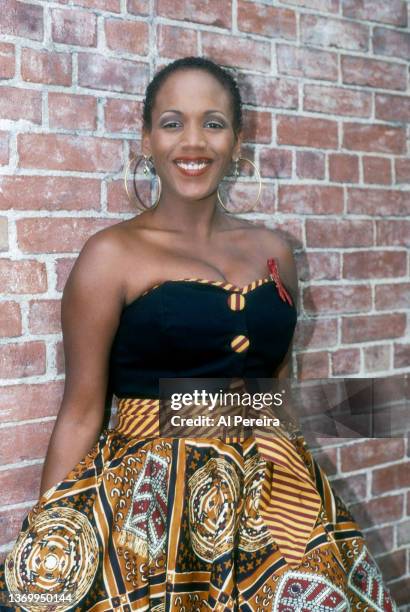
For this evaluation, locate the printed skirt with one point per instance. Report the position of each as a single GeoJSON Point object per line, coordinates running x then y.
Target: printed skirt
{"type": "Point", "coordinates": [190, 524]}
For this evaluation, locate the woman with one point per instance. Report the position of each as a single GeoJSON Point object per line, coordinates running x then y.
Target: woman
{"type": "Point", "coordinates": [144, 522]}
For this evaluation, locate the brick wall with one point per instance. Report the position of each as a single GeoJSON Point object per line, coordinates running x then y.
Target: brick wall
{"type": "Point", "coordinates": [326, 91]}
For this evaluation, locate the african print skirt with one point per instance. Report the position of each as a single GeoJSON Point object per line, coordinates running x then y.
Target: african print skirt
{"type": "Point", "coordinates": [151, 523]}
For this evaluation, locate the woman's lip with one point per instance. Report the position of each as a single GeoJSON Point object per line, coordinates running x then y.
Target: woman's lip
{"type": "Point", "coordinates": [192, 172]}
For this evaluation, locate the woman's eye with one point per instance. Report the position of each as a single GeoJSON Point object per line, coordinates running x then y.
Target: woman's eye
{"type": "Point", "coordinates": [212, 124]}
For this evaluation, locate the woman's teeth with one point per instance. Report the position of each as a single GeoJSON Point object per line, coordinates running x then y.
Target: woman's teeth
{"type": "Point", "coordinates": [192, 165]}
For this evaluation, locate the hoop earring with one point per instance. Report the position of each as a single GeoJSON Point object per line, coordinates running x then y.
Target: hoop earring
{"type": "Point", "coordinates": [236, 173]}
{"type": "Point", "coordinates": [147, 170]}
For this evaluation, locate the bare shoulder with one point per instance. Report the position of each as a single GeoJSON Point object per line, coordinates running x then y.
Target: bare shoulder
{"type": "Point", "coordinates": [98, 267]}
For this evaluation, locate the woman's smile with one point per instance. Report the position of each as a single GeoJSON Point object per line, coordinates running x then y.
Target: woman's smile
{"type": "Point", "coordinates": [193, 166]}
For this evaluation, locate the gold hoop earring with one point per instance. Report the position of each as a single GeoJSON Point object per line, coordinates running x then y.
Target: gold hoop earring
{"type": "Point", "coordinates": [236, 174]}
{"type": "Point", "coordinates": [147, 170]}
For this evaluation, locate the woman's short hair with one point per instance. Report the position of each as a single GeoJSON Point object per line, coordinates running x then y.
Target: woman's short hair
{"type": "Point", "coordinates": [198, 63]}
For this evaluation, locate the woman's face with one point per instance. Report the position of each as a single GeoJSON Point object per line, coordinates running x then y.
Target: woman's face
{"type": "Point", "coordinates": [192, 140]}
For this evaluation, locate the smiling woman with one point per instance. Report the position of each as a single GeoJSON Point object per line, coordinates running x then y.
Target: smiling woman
{"type": "Point", "coordinates": [129, 518]}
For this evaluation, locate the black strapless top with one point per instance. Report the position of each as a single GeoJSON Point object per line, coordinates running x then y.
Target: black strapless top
{"type": "Point", "coordinates": [199, 328]}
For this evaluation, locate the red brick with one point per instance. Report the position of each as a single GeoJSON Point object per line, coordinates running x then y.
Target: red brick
{"type": "Point", "coordinates": [117, 199]}
{"type": "Point", "coordinates": [342, 233]}
{"type": "Point", "coordinates": [393, 108]}
{"type": "Point", "coordinates": [401, 355]}
{"type": "Point", "coordinates": [330, 299]}
{"type": "Point", "coordinates": [171, 39]}
{"type": "Point", "coordinates": [391, 232]}
{"type": "Point", "coordinates": [22, 276]}
{"type": "Point", "coordinates": [403, 533]}
{"type": "Point", "coordinates": [7, 60]}
{"type": "Point", "coordinates": [368, 453]}
{"type": "Point", "coordinates": [22, 359]}
{"type": "Point", "coordinates": [99, 72]}
{"type": "Point", "coordinates": [373, 73]}
{"type": "Point", "coordinates": [377, 170]}
{"type": "Point", "coordinates": [391, 478]}
{"type": "Point", "coordinates": [339, 33]}
{"type": "Point", "coordinates": [402, 168]}
{"type": "Point", "coordinates": [128, 36]}
{"type": "Point", "coordinates": [60, 358]}
{"type": "Point", "coordinates": [337, 101]}
{"type": "Point", "coordinates": [393, 12]}
{"type": "Point", "coordinates": [343, 168]}
{"type": "Point", "coordinates": [387, 41]}
{"type": "Point", "coordinates": [20, 484]}
{"type": "Point", "coordinates": [72, 112]}
{"type": "Point", "coordinates": [310, 199]}
{"type": "Point", "coordinates": [21, 19]}
{"type": "Point", "coordinates": [351, 489]}
{"type": "Point", "coordinates": [306, 62]}
{"type": "Point", "coordinates": [237, 51]}
{"type": "Point", "coordinates": [392, 565]}
{"type": "Point", "coordinates": [63, 268]}
{"type": "Point", "coordinates": [319, 265]}
{"type": "Point", "coordinates": [345, 362]}
{"type": "Point", "coordinates": [320, 333]}
{"type": "Point", "coordinates": [266, 20]}
{"type": "Point", "coordinates": [123, 115]}
{"type": "Point", "coordinates": [310, 164]}
{"type": "Point", "coordinates": [241, 195]}
{"type": "Point", "coordinates": [400, 591]}
{"type": "Point", "coordinates": [57, 235]}
{"type": "Point", "coordinates": [275, 162]}
{"type": "Point", "coordinates": [391, 296]}
{"type": "Point", "coordinates": [369, 328]}
{"type": "Point", "coordinates": [324, 6]}
{"type": "Point", "coordinates": [378, 201]}
{"type": "Point", "coordinates": [49, 192]}
{"type": "Point", "coordinates": [4, 148]}
{"type": "Point", "coordinates": [268, 200]}
{"type": "Point", "coordinates": [74, 27]}
{"type": "Point", "coordinates": [268, 91]}
{"type": "Point", "coordinates": [307, 132]}
{"type": "Point", "coordinates": [24, 442]}
{"type": "Point", "coordinates": [10, 319]}
{"type": "Point", "coordinates": [257, 126]}
{"type": "Point", "coordinates": [138, 7]}
{"type": "Point", "coordinates": [48, 67]}
{"type": "Point", "coordinates": [213, 12]}
{"type": "Point", "coordinates": [374, 264]}
{"type": "Point", "coordinates": [374, 138]}
{"type": "Point", "coordinates": [44, 316]}
{"type": "Point", "coordinates": [380, 539]}
{"type": "Point", "coordinates": [17, 103]}
{"type": "Point", "coordinates": [66, 152]}
{"type": "Point", "coordinates": [30, 401]}
{"type": "Point", "coordinates": [10, 524]}
{"type": "Point", "coordinates": [377, 357]}
{"type": "Point", "coordinates": [114, 6]}
{"type": "Point", "coordinates": [313, 365]}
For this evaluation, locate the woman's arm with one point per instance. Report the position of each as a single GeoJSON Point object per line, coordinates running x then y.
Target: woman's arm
{"type": "Point", "coordinates": [90, 310]}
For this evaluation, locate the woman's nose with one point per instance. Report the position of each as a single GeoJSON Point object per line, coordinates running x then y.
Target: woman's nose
{"type": "Point", "coordinates": [193, 135]}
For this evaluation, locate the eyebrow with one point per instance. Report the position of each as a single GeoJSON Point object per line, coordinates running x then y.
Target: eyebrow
{"type": "Point", "coordinates": [208, 112]}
